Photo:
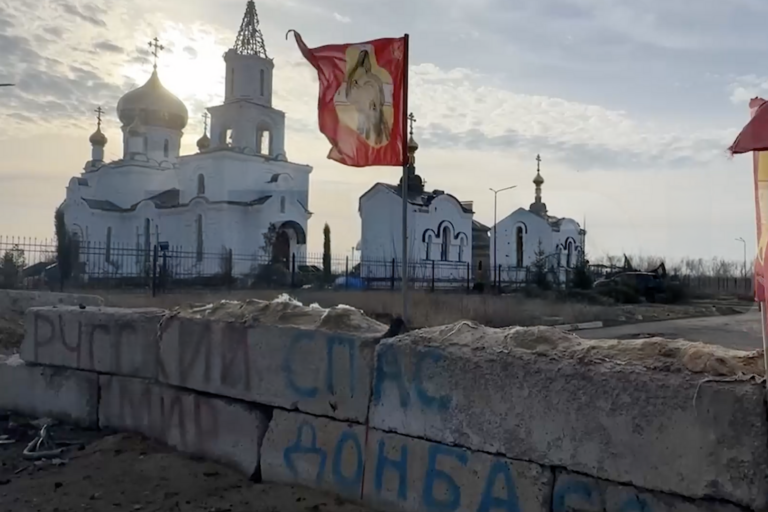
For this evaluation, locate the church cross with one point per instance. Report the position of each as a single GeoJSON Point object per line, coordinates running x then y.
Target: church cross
{"type": "Point", "coordinates": [205, 122]}
{"type": "Point", "coordinates": [99, 111]}
{"type": "Point", "coordinates": [155, 49]}
{"type": "Point", "coordinates": [538, 163]}
{"type": "Point", "coordinates": [411, 120]}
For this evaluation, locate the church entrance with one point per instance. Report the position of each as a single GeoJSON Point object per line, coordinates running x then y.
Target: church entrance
{"type": "Point", "coordinates": [281, 249]}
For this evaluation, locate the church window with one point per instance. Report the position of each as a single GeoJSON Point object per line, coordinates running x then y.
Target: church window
{"type": "Point", "coordinates": [429, 247]}
{"type": "Point", "coordinates": [108, 249]}
{"type": "Point", "coordinates": [199, 251]}
{"type": "Point", "coordinates": [200, 185]}
{"type": "Point", "coordinates": [226, 137]}
{"type": "Point", "coordinates": [264, 141]}
{"type": "Point", "coordinates": [445, 252]}
{"type": "Point", "coordinates": [569, 258]}
{"type": "Point", "coordinates": [519, 246]}
{"type": "Point", "coordinates": [147, 241]}
{"type": "Point", "coordinates": [462, 245]}
{"type": "Point", "coordinates": [282, 204]}
{"type": "Point", "coordinates": [166, 148]}
{"type": "Point", "coordinates": [261, 81]}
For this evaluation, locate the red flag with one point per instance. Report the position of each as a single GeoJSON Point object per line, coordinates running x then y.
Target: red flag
{"type": "Point", "coordinates": [754, 136]}
{"type": "Point", "coordinates": [361, 106]}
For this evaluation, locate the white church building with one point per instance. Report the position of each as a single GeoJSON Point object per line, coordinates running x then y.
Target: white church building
{"type": "Point", "coordinates": [225, 197]}
{"type": "Point", "coordinates": [439, 233]}
{"type": "Point", "coordinates": [528, 235]}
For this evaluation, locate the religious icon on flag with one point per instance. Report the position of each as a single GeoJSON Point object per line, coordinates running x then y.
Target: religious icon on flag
{"type": "Point", "coordinates": [754, 138]}
{"type": "Point", "coordinates": [362, 99]}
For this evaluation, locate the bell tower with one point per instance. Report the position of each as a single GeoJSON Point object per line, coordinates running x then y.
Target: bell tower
{"type": "Point", "coordinates": [246, 120]}
{"type": "Point", "coordinates": [249, 68]}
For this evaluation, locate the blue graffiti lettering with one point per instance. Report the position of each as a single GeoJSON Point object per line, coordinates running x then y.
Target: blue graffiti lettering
{"type": "Point", "coordinates": [351, 349]}
{"type": "Point", "coordinates": [401, 466]}
{"type": "Point", "coordinates": [347, 483]}
{"type": "Point", "coordinates": [452, 489]}
{"type": "Point", "coordinates": [388, 368]}
{"type": "Point", "coordinates": [440, 403]}
{"type": "Point", "coordinates": [635, 503]}
{"type": "Point", "coordinates": [287, 367]}
{"type": "Point", "coordinates": [567, 487]}
{"type": "Point", "coordinates": [297, 448]}
{"type": "Point", "coordinates": [489, 501]}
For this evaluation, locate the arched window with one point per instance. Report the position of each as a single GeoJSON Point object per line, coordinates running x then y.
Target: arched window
{"type": "Point", "coordinates": [108, 251]}
{"type": "Point", "coordinates": [429, 247]}
{"type": "Point", "coordinates": [569, 257]}
{"type": "Point", "coordinates": [261, 81]}
{"type": "Point", "coordinates": [166, 148]}
{"type": "Point", "coordinates": [200, 185]}
{"type": "Point", "coordinates": [462, 245]}
{"type": "Point", "coordinates": [282, 204]}
{"type": "Point", "coordinates": [519, 246]}
{"type": "Point", "coordinates": [199, 226]}
{"type": "Point", "coordinates": [232, 82]}
{"type": "Point", "coordinates": [445, 250]}
{"type": "Point", "coordinates": [264, 141]}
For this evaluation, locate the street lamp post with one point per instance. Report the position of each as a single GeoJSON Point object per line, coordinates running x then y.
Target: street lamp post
{"type": "Point", "coordinates": [744, 243]}
{"type": "Point", "coordinates": [495, 263]}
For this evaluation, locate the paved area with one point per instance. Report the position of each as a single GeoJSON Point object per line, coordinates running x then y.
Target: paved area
{"type": "Point", "coordinates": [742, 331]}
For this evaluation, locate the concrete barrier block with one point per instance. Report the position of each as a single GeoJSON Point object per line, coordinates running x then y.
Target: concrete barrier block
{"type": "Point", "coordinates": [324, 454]}
{"type": "Point", "coordinates": [106, 340]}
{"type": "Point", "coordinates": [314, 371]}
{"type": "Point", "coordinates": [408, 474]}
{"type": "Point", "coordinates": [578, 493]}
{"type": "Point", "coordinates": [622, 422]}
{"type": "Point", "coordinates": [216, 428]}
{"type": "Point", "coordinates": [18, 301]}
{"type": "Point", "coordinates": [66, 395]}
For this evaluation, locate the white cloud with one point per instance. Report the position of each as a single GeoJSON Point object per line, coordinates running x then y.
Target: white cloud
{"type": "Point", "coordinates": [341, 19]}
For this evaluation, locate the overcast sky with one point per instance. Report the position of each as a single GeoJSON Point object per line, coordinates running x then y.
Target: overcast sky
{"type": "Point", "coordinates": [631, 104]}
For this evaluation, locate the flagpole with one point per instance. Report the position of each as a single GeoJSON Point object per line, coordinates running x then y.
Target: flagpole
{"type": "Point", "coordinates": [404, 132]}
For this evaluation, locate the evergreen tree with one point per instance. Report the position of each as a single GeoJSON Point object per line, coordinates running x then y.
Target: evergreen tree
{"type": "Point", "coordinates": [327, 273]}
{"type": "Point", "coordinates": [64, 250]}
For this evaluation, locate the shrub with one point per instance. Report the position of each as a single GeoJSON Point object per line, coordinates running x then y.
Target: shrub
{"type": "Point", "coordinates": [620, 292]}
{"type": "Point", "coordinates": [582, 279]}
{"type": "Point", "coordinates": [676, 293]}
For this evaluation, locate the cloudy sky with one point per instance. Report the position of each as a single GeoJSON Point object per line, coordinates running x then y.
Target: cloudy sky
{"type": "Point", "coordinates": [631, 104]}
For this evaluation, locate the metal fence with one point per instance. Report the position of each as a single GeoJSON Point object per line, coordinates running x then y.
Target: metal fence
{"type": "Point", "coordinates": [31, 263]}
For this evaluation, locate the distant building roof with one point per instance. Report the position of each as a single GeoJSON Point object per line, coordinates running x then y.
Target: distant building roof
{"type": "Point", "coordinates": [423, 199]}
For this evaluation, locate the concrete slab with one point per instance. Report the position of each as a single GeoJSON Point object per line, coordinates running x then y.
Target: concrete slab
{"type": "Point", "coordinates": [106, 340]}
{"type": "Point", "coordinates": [578, 493]}
{"type": "Point", "coordinates": [216, 428]}
{"type": "Point", "coordinates": [320, 453]}
{"type": "Point", "coordinates": [314, 371]}
{"type": "Point", "coordinates": [66, 395]}
{"type": "Point", "coordinates": [414, 475]}
{"type": "Point", "coordinates": [621, 421]}
{"type": "Point", "coordinates": [18, 301]}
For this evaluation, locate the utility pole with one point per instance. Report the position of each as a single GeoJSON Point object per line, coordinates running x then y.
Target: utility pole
{"type": "Point", "coordinates": [744, 243]}
{"type": "Point", "coordinates": [495, 252]}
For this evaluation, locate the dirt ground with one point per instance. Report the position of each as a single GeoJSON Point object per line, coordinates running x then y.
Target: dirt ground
{"type": "Point", "coordinates": [128, 473]}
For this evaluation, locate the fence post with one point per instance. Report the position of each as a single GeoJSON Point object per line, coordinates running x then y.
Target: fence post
{"type": "Point", "coordinates": [432, 286]}
{"type": "Point", "coordinates": [154, 271]}
{"type": "Point", "coordinates": [469, 271]}
{"type": "Point", "coordinates": [293, 270]}
{"type": "Point", "coordinates": [392, 282]}
{"type": "Point", "coordinates": [498, 280]}
{"type": "Point", "coordinates": [346, 274]}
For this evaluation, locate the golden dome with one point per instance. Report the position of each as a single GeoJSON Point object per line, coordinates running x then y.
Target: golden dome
{"type": "Point", "coordinates": [538, 180]}
{"type": "Point", "coordinates": [413, 146]}
{"type": "Point", "coordinates": [98, 138]}
{"type": "Point", "coordinates": [204, 142]}
{"type": "Point", "coordinates": [154, 104]}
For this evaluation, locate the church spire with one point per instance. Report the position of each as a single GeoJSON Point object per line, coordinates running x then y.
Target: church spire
{"type": "Point", "coordinates": [538, 206]}
{"type": "Point", "coordinates": [250, 40]}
